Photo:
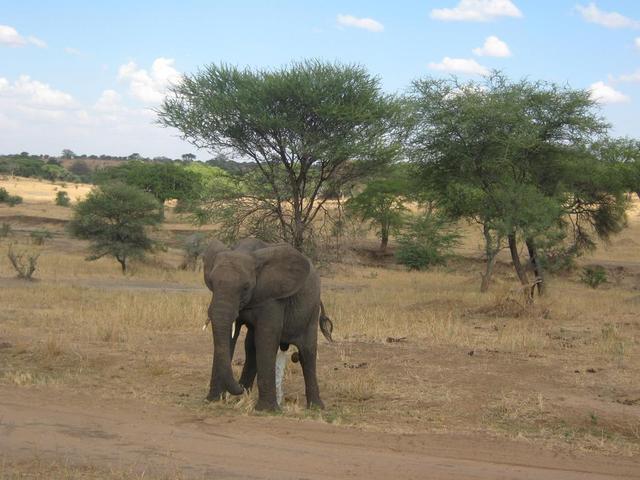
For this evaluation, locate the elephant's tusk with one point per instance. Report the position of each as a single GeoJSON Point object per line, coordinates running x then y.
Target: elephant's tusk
{"type": "Point", "coordinates": [204, 327]}
{"type": "Point", "coordinates": [233, 329]}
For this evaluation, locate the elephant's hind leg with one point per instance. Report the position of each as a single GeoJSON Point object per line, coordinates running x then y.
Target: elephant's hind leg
{"type": "Point", "coordinates": [249, 369]}
{"type": "Point", "coordinates": [308, 351]}
{"type": "Point", "coordinates": [267, 341]}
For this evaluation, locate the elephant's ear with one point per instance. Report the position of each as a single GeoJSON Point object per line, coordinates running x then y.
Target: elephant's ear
{"type": "Point", "coordinates": [281, 272]}
{"type": "Point", "coordinates": [209, 258]}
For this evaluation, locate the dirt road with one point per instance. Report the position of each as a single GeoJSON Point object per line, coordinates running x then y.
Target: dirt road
{"type": "Point", "coordinates": [136, 436]}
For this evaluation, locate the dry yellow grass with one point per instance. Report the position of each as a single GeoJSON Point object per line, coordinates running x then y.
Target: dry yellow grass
{"type": "Point", "coordinates": [415, 351]}
{"type": "Point", "coordinates": [42, 191]}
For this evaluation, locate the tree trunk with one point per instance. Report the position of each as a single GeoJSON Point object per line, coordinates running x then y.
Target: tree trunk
{"type": "Point", "coordinates": [537, 266]}
{"type": "Point", "coordinates": [123, 263]}
{"type": "Point", "coordinates": [491, 252]}
{"type": "Point", "coordinates": [515, 257]}
{"type": "Point", "coordinates": [384, 241]}
{"type": "Point", "coordinates": [298, 229]}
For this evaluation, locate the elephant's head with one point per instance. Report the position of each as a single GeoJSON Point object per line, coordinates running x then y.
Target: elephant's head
{"type": "Point", "coordinates": [241, 278]}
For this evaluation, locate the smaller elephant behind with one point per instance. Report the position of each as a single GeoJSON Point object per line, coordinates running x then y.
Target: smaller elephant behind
{"type": "Point", "coordinates": [274, 291]}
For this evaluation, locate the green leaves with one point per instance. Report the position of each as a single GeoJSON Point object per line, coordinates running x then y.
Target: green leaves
{"type": "Point", "coordinates": [164, 181]}
{"type": "Point", "coordinates": [382, 202]}
{"type": "Point", "coordinates": [428, 241]}
{"type": "Point", "coordinates": [304, 125]}
{"type": "Point", "coordinates": [114, 218]}
{"type": "Point", "coordinates": [518, 158]}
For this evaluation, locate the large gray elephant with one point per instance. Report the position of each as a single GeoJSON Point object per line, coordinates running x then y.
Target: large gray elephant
{"type": "Point", "coordinates": [274, 291]}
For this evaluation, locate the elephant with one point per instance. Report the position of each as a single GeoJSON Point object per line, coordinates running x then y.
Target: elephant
{"type": "Point", "coordinates": [274, 291]}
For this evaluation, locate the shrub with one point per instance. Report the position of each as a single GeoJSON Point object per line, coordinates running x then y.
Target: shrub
{"type": "Point", "coordinates": [11, 200]}
{"type": "Point", "coordinates": [39, 236]}
{"type": "Point", "coordinates": [14, 200]}
{"type": "Point", "coordinates": [594, 276]}
{"type": "Point", "coordinates": [24, 262]}
{"type": "Point", "coordinates": [115, 218]}
{"type": "Point", "coordinates": [62, 199]}
{"type": "Point", "coordinates": [428, 241]}
{"type": "Point", "coordinates": [5, 230]}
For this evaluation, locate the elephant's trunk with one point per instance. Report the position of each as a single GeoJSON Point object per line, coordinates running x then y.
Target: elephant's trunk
{"type": "Point", "coordinates": [222, 313]}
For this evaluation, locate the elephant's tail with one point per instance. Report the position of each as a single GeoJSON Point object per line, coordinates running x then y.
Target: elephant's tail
{"type": "Point", "coordinates": [326, 325]}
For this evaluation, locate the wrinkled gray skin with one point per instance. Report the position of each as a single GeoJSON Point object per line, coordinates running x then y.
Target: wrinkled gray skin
{"type": "Point", "coordinates": [273, 290]}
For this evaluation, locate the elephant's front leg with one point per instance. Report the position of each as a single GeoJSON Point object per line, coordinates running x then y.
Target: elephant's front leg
{"type": "Point", "coordinates": [267, 341]}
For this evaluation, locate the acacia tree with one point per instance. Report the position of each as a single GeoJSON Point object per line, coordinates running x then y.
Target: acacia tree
{"type": "Point", "coordinates": [165, 181]}
{"type": "Point", "coordinates": [624, 155]}
{"type": "Point", "coordinates": [514, 157]}
{"type": "Point", "coordinates": [115, 218]}
{"type": "Point", "coordinates": [381, 201]}
{"type": "Point", "coordinates": [302, 126]}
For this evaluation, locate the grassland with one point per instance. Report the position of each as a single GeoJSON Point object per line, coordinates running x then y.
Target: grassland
{"type": "Point", "coordinates": [414, 352]}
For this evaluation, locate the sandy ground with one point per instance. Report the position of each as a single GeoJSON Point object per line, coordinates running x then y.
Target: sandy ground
{"type": "Point", "coordinates": [132, 436]}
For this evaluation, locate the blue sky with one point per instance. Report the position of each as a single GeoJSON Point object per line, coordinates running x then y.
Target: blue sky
{"type": "Point", "coordinates": [85, 75]}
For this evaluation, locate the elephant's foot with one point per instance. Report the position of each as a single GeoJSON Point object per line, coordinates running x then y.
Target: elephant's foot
{"type": "Point", "coordinates": [246, 384]}
{"type": "Point", "coordinates": [267, 406]}
{"type": "Point", "coordinates": [216, 391]}
{"type": "Point", "coordinates": [214, 396]}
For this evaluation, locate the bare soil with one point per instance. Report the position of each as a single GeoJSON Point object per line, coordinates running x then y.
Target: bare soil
{"type": "Point", "coordinates": [133, 437]}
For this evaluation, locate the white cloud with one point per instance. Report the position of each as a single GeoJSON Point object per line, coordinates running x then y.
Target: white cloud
{"type": "Point", "coordinates": [73, 51]}
{"type": "Point", "coordinates": [364, 23]}
{"type": "Point", "coordinates": [33, 93]}
{"type": "Point", "coordinates": [637, 42]}
{"type": "Point", "coordinates": [109, 101]}
{"type": "Point", "coordinates": [605, 94]}
{"type": "Point", "coordinates": [466, 66]}
{"type": "Point", "coordinates": [150, 87]}
{"type": "Point", "coordinates": [39, 118]}
{"type": "Point", "coordinates": [37, 42]}
{"type": "Point", "coordinates": [630, 77]}
{"type": "Point", "coordinates": [477, 11]}
{"type": "Point", "coordinates": [591, 13]}
{"type": "Point", "coordinates": [10, 37]}
{"type": "Point", "coordinates": [493, 47]}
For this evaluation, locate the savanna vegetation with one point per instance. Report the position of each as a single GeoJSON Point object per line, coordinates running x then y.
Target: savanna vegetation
{"type": "Point", "coordinates": [478, 243]}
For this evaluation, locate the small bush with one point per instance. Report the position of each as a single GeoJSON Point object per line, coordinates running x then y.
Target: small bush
{"type": "Point", "coordinates": [11, 200]}
{"type": "Point", "coordinates": [594, 276]}
{"type": "Point", "coordinates": [39, 236]}
{"type": "Point", "coordinates": [62, 199]}
{"type": "Point", "coordinates": [428, 241]}
{"type": "Point", "coordinates": [24, 262]}
{"type": "Point", "coordinates": [5, 230]}
{"type": "Point", "coordinates": [14, 200]}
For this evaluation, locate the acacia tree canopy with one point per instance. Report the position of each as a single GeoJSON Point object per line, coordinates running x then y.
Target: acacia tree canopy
{"type": "Point", "coordinates": [303, 125]}
{"type": "Point", "coordinates": [382, 201]}
{"type": "Point", "coordinates": [165, 181]}
{"type": "Point", "coordinates": [114, 219]}
{"type": "Point", "coordinates": [514, 157]}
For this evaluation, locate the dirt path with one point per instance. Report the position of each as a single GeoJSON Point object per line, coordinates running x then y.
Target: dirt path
{"type": "Point", "coordinates": [159, 440]}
